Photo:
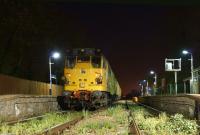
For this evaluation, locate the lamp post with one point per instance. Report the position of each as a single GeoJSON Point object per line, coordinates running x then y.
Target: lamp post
{"type": "Point", "coordinates": [142, 87]}
{"type": "Point", "coordinates": [185, 52]}
{"type": "Point", "coordinates": [155, 77]}
{"type": "Point", "coordinates": [147, 87]}
{"type": "Point", "coordinates": [54, 55]}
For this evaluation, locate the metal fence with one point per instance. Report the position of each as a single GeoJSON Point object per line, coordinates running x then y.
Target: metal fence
{"type": "Point", "coordinates": [13, 85]}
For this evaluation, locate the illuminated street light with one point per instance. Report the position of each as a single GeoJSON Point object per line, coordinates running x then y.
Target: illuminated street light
{"type": "Point", "coordinates": [147, 86]}
{"type": "Point", "coordinates": [154, 73]}
{"type": "Point", "coordinates": [54, 55]}
{"type": "Point", "coordinates": [155, 77]}
{"type": "Point", "coordinates": [142, 89]}
{"type": "Point", "coordinates": [185, 52]}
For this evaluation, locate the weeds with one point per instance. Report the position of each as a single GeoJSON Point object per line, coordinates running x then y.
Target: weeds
{"type": "Point", "coordinates": [163, 124]}
{"type": "Point", "coordinates": [37, 126]}
{"type": "Point", "coordinates": [109, 122]}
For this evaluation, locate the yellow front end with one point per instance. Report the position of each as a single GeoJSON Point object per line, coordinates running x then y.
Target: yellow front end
{"type": "Point", "coordinates": [84, 77]}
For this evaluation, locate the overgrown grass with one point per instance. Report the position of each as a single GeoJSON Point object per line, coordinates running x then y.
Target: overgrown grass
{"type": "Point", "coordinates": [118, 113]}
{"type": "Point", "coordinates": [110, 122]}
{"type": "Point", "coordinates": [163, 124]}
{"type": "Point", "coordinates": [37, 126]}
{"type": "Point", "coordinates": [97, 127]}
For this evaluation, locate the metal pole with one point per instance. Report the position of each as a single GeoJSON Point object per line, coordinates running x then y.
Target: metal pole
{"type": "Point", "coordinates": [155, 83]}
{"type": "Point", "coordinates": [184, 87]}
{"type": "Point", "coordinates": [192, 74]}
{"type": "Point", "coordinates": [50, 78]}
{"type": "Point", "coordinates": [176, 87]}
{"type": "Point", "coordinates": [147, 87]}
{"type": "Point", "coordinates": [142, 90]}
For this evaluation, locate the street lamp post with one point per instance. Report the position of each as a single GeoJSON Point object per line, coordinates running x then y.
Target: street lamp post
{"type": "Point", "coordinates": [142, 89]}
{"type": "Point", "coordinates": [192, 68]}
{"type": "Point", "coordinates": [54, 55]}
{"type": "Point", "coordinates": [155, 77]}
{"type": "Point", "coordinates": [147, 87]}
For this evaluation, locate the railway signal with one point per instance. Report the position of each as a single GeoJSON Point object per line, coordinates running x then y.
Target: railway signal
{"type": "Point", "coordinates": [175, 66]}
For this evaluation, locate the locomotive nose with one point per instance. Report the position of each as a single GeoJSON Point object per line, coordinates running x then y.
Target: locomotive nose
{"type": "Point", "coordinates": [82, 85]}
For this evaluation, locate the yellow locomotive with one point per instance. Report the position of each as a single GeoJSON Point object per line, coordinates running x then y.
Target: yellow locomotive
{"type": "Point", "coordinates": [88, 79]}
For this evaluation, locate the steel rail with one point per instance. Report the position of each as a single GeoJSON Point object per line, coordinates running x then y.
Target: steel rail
{"type": "Point", "coordinates": [133, 128]}
{"type": "Point", "coordinates": [58, 129]}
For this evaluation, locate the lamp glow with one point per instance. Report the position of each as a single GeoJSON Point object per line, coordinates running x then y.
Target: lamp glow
{"type": "Point", "coordinates": [152, 72]}
{"type": "Point", "coordinates": [56, 55]}
{"type": "Point", "coordinates": [185, 52]}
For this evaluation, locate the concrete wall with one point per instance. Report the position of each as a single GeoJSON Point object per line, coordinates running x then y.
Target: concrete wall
{"type": "Point", "coordinates": [171, 104]}
{"type": "Point", "coordinates": [14, 107]}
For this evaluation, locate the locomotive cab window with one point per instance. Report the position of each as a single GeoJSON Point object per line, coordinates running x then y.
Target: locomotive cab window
{"type": "Point", "coordinates": [96, 61]}
{"type": "Point", "coordinates": [83, 59]}
{"type": "Point", "coordinates": [70, 62]}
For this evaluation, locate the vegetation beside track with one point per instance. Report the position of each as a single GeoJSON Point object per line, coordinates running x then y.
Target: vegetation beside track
{"type": "Point", "coordinates": [163, 124]}
{"type": "Point", "coordinates": [36, 126]}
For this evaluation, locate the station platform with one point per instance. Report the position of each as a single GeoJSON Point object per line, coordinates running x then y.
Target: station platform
{"type": "Point", "coordinates": [186, 104]}
{"type": "Point", "coordinates": [16, 107]}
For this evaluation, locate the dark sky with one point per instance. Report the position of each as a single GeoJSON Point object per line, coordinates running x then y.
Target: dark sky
{"type": "Point", "coordinates": [135, 38]}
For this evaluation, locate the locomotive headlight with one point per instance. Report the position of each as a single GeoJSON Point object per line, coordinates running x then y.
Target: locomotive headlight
{"type": "Point", "coordinates": [68, 74]}
{"type": "Point", "coordinates": [99, 79]}
{"type": "Point", "coordinates": [66, 80]}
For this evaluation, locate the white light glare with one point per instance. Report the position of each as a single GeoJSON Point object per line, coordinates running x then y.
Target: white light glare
{"type": "Point", "coordinates": [56, 55]}
{"type": "Point", "coordinates": [185, 52]}
{"type": "Point", "coordinates": [144, 81]}
{"type": "Point", "coordinates": [152, 72]}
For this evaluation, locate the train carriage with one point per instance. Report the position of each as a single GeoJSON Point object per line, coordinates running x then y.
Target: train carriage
{"type": "Point", "coordinates": [88, 79]}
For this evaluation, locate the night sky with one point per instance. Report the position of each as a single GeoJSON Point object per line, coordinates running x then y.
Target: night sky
{"type": "Point", "coordinates": [135, 38]}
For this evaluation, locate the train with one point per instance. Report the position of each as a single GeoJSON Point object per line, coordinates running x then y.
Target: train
{"type": "Point", "coordinates": [89, 81]}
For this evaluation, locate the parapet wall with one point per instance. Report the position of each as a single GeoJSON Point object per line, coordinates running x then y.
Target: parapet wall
{"type": "Point", "coordinates": [171, 104]}
{"type": "Point", "coordinates": [15, 107]}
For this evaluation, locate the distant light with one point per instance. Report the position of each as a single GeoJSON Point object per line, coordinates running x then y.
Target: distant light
{"type": "Point", "coordinates": [144, 81]}
{"type": "Point", "coordinates": [56, 55]}
{"type": "Point", "coordinates": [53, 76]}
{"type": "Point", "coordinates": [152, 72]}
{"type": "Point", "coordinates": [185, 52]}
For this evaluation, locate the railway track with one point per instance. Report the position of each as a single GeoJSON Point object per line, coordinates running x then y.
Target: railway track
{"type": "Point", "coordinates": [154, 110]}
{"type": "Point", "coordinates": [58, 129]}
{"type": "Point", "coordinates": [133, 128]}
{"type": "Point", "coordinates": [31, 118]}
